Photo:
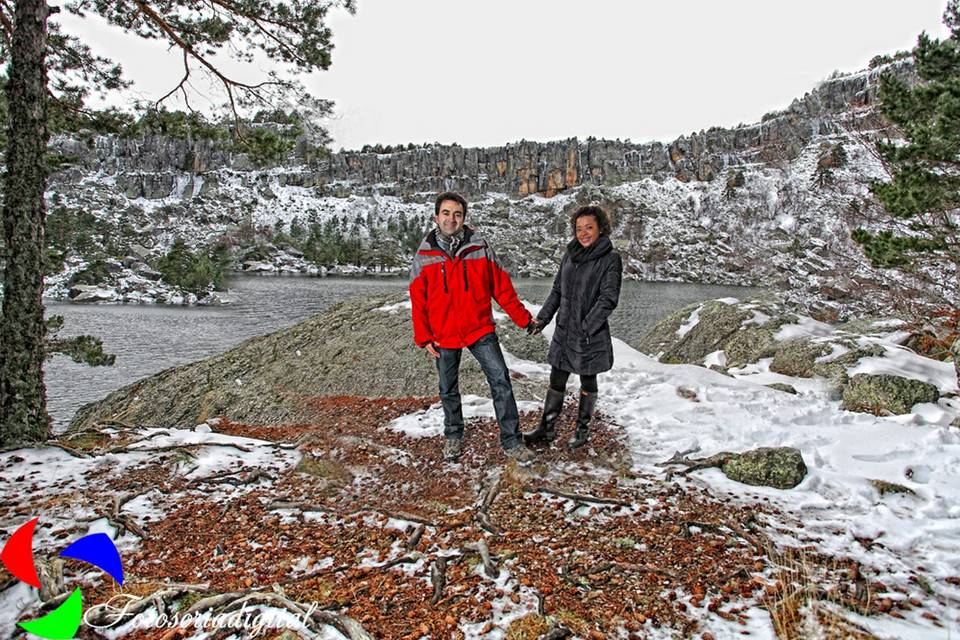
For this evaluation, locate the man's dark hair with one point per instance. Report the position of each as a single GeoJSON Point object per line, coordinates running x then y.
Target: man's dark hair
{"type": "Point", "coordinates": [599, 214]}
{"type": "Point", "coordinates": [450, 195]}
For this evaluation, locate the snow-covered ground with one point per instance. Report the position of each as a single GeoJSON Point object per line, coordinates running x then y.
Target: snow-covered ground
{"type": "Point", "coordinates": [911, 542]}
{"type": "Point", "coordinates": [835, 505]}
{"type": "Point", "coordinates": [908, 540]}
{"type": "Point", "coordinates": [843, 450]}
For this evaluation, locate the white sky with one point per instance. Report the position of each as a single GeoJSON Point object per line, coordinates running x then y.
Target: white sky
{"type": "Point", "coordinates": [487, 73]}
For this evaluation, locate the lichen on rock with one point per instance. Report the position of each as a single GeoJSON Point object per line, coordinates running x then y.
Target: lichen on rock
{"type": "Point", "coordinates": [798, 357]}
{"type": "Point", "coordinates": [886, 394]}
{"type": "Point", "coordinates": [777, 467]}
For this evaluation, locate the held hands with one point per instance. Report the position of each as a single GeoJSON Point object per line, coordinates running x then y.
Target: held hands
{"type": "Point", "coordinates": [534, 327]}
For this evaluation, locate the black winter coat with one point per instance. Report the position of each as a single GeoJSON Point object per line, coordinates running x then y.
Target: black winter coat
{"type": "Point", "coordinates": [585, 293]}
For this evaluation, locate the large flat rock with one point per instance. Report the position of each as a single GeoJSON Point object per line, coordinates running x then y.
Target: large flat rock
{"type": "Point", "coordinates": [362, 347]}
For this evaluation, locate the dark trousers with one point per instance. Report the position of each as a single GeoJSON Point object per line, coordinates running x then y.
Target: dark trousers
{"type": "Point", "coordinates": [487, 352]}
{"type": "Point", "coordinates": [559, 377]}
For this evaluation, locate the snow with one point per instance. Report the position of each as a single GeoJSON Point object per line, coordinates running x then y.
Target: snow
{"type": "Point", "coordinates": [396, 308]}
{"type": "Point", "coordinates": [805, 328]}
{"type": "Point", "coordinates": [758, 318]}
{"type": "Point", "coordinates": [842, 450]}
{"type": "Point", "coordinates": [428, 423]}
{"type": "Point", "coordinates": [830, 511]}
{"type": "Point", "coordinates": [786, 222]}
{"type": "Point", "coordinates": [503, 611]}
{"type": "Point", "coordinates": [718, 358]}
{"type": "Point", "coordinates": [900, 361]}
{"type": "Point", "coordinates": [692, 321]}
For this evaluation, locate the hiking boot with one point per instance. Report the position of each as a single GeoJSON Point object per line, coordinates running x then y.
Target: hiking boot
{"type": "Point", "coordinates": [588, 402]}
{"type": "Point", "coordinates": [520, 453]}
{"type": "Point", "coordinates": [452, 449]}
{"type": "Point", "coordinates": [546, 431]}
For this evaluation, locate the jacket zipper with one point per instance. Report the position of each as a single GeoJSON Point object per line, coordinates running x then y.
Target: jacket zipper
{"type": "Point", "coordinates": [443, 268]}
{"type": "Point", "coordinates": [466, 284]}
{"type": "Point", "coordinates": [576, 268]}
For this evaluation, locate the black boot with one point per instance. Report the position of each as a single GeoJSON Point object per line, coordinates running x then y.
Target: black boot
{"type": "Point", "coordinates": [588, 402]}
{"type": "Point", "coordinates": [546, 431]}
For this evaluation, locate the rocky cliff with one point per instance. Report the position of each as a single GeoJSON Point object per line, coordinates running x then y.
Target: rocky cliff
{"type": "Point", "coordinates": [768, 204]}
{"type": "Point", "coordinates": [150, 167]}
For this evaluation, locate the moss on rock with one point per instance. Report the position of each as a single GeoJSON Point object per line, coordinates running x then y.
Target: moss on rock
{"type": "Point", "coordinates": [883, 488]}
{"type": "Point", "coordinates": [717, 321]}
{"type": "Point", "coordinates": [786, 388]}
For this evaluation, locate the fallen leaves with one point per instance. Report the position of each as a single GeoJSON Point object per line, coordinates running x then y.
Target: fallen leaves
{"type": "Point", "coordinates": [375, 525]}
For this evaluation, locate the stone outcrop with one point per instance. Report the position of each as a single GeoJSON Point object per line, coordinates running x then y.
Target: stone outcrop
{"type": "Point", "coordinates": [354, 348]}
{"type": "Point", "coordinates": [798, 357]}
{"type": "Point", "coordinates": [688, 335]}
{"type": "Point", "coordinates": [143, 165]}
{"type": "Point", "coordinates": [746, 332]}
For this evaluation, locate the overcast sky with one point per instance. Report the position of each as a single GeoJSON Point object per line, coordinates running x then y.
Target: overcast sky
{"type": "Point", "coordinates": [487, 73]}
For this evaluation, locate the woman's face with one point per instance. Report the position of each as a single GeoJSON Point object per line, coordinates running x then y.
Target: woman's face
{"type": "Point", "coordinates": [588, 230]}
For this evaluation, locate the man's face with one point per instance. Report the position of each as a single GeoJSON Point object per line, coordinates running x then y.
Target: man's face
{"type": "Point", "coordinates": [451, 216]}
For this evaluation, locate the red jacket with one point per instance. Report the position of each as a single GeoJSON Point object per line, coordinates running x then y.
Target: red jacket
{"type": "Point", "coordinates": [451, 296]}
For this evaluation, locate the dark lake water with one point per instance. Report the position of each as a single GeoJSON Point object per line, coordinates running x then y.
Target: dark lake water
{"type": "Point", "coordinates": [149, 338]}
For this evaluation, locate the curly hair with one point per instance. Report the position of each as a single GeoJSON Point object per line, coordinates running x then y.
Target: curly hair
{"type": "Point", "coordinates": [598, 213]}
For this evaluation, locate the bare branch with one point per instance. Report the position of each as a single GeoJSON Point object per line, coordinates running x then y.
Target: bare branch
{"type": "Point", "coordinates": [183, 80]}
{"type": "Point", "coordinates": [229, 84]}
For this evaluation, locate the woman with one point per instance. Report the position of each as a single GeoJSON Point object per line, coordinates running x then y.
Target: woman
{"type": "Point", "coordinates": [585, 290]}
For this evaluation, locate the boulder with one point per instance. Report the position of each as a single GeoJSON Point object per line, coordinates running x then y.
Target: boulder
{"type": "Point", "coordinates": [139, 251]}
{"type": "Point", "coordinates": [777, 467]}
{"type": "Point", "coordinates": [91, 293]}
{"type": "Point", "coordinates": [749, 345]}
{"type": "Point", "coordinates": [716, 322]}
{"type": "Point", "coordinates": [836, 377]}
{"type": "Point", "coordinates": [798, 357]}
{"type": "Point", "coordinates": [786, 388]}
{"type": "Point", "coordinates": [885, 394]}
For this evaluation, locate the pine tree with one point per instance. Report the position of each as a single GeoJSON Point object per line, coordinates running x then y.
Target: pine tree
{"type": "Point", "coordinates": [920, 237]}
{"type": "Point", "coordinates": [291, 33]}
{"type": "Point", "coordinates": [23, 396]}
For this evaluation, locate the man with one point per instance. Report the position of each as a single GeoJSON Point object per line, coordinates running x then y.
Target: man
{"type": "Point", "coordinates": [454, 275]}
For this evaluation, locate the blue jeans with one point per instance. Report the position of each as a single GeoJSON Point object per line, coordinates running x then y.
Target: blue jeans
{"type": "Point", "coordinates": [487, 352]}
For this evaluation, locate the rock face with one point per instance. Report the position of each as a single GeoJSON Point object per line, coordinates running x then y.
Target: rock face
{"type": "Point", "coordinates": [352, 349]}
{"type": "Point", "coordinates": [516, 169]}
{"type": "Point", "coordinates": [769, 204]}
{"type": "Point", "coordinates": [886, 394]}
{"type": "Point", "coordinates": [778, 467]}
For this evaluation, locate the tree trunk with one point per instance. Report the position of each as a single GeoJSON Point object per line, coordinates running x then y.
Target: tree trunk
{"type": "Point", "coordinates": [23, 412]}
